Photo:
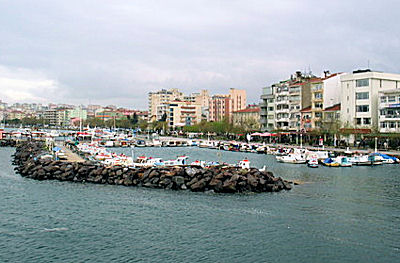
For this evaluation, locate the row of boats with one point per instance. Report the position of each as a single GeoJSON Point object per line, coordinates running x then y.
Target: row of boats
{"type": "Point", "coordinates": [98, 153]}
{"type": "Point", "coordinates": [314, 158]}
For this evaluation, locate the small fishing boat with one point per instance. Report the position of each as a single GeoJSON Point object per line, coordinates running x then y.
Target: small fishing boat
{"type": "Point", "coordinates": [291, 158]}
{"type": "Point", "coordinates": [343, 161]}
{"type": "Point", "coordinates": [330, 162]}
{"type": "Point", "coordinates": [313, 163]}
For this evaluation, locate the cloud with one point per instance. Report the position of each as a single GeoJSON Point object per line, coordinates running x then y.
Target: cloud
{"type": "Point", "coordinates": [115, 52]}
{"type": "Point", "coordinates": [25, 85]}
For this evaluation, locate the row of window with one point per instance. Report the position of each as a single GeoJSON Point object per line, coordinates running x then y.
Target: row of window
{"type": "Point", "coordinates": [390, 124]}
{"type": "Point", "coordinates": [385, 99]}
{"type": "Point", "coordinates": [362, 108]}
{"type": "Point", "coordinates": [360, 121]}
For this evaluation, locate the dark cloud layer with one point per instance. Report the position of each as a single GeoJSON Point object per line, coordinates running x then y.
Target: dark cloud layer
{"type": "Point", "coordinates": [116, 51]}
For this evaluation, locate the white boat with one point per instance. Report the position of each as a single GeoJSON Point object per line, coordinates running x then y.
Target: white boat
{"type": "Point", "coordinates": [181, 160]}
{"type": "Point", "coordinates": [313, 162]}
{"type": "Point", "coordinates": [144, 162]}
{"type": "Point", "coordinates": [244, 164]}
{"type": "Point", "coordinates": [291, 158]}
{"type": "Point", "coordinates": [343, 161]}
{"type": "Point", "coordinates": [157, 143]}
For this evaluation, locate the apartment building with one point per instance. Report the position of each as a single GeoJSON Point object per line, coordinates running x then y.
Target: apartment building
{"type": "Point", "coordinates": [201, 98]}
{"type": "Point", "coordinates": [222, 106]}
{"type": "Point", "coordinates": [267, 109]}
{"type": "Point", "coordinates": [219, 107]}
{"type": "Point", "coordinates": [282, 102]}
{"type": "Point", "coordinates": [162, 97]}
{"type": "Point", "coordinates": [183, 113]}
{"type": "Point", "coordinates": [389, 110]}
{"type": "Point", "coordinates": [360, 98]}
{"type": "Point", "coordinates": [248, 118]}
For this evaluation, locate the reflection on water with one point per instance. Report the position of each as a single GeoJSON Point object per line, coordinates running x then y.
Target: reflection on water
{"type": "Point", "coordinates": [337, 215]}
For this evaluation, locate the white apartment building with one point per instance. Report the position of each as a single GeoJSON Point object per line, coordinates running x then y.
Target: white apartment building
{"type": "Point", "coordinates": [389, 110]}
{"type": "Point", "coordinates": [360, 97]}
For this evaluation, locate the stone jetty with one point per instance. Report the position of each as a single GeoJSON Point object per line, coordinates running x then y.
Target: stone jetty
{"type": "Point", "coordinates": [218, 179]}
{"type": "Point", "coordinates": [8, 143]}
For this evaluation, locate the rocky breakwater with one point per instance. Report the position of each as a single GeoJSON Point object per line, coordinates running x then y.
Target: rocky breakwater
{"type": "Point", "coordinates": [217, 179]}
{"type": "Point", "coordinates": [8, 143]}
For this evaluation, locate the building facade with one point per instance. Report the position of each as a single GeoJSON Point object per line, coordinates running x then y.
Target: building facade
{"type": "Point", "coordinates": [248, 118]}
{"type": "Point", "coordinates": [162, 97]}
{"type": "Point", "coordinates": [360, 97]}
{"type": "Point", "coordinates": [389, 110]}
{"type": "Point", "coordinates": [183, 113]}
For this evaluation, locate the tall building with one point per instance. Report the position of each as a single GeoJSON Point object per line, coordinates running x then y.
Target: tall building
{"type": "Point", "coordinates": [222, 106]}
{"type": "Point", "coordinates": [238, 99]}
{"type": "Point", "coordinates": [201, 98]}
{"type": "Point", "coordinates": [183, 113]}
{"type": "Point", "coordinates": [360, 98]}
{"type": "Point", "coordinates": [219, 107]}
{"type": "Point", "coordinates": [267, 109]}
{"type": "Point", "coordinates": [284, 104]}
{"type": "Point", "coordinates": [162, 97]}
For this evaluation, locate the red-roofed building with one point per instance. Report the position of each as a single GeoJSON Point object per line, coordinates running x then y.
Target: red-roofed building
{"type": "Point", "coordinates": [248, 118]}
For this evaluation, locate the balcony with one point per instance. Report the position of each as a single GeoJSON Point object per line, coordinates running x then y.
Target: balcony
{"type": "Point", "coordinates": [389, 117]}
{"type": "Point", "coordinates": [286, 119]}
{"type": "Point", "coordinates": [282, 110]}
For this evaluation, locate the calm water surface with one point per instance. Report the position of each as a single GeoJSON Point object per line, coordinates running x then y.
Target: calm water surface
{"type": "Point", "coordinates": [337, 215]}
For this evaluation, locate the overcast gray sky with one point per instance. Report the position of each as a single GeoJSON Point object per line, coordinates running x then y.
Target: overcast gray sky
{"type": "Point", "coordinates": [115, 52]}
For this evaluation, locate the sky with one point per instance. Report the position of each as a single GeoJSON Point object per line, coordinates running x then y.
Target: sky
{"type": "Point", "coordinates": [115, 52]}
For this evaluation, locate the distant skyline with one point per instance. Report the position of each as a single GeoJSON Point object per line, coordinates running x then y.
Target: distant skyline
{"type": "Point", "coordinates": [115, 52]}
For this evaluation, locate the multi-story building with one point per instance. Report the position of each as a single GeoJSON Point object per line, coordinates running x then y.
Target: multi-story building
{"type": "Point", "coordinates": [360, 97]}
{"type": "Point", "coordinates": [238, 99]}
{"type": "Point", "coordinates": [305, 119]}
{"type": "Point", "coordinates": [162, 97]}
{"type": "Point", "coordinates": [248, 118]}
{"type": "Point", "coordinates": [15, 114]}
{"type": "Point", "coordinates": [267, 110]}
{"type": "Point", "coordinates": [389, 110]}
{"type": "Point", "coordinates": [284, 100]}
{"type": "Point", "coordinates": [77, 113]}
{"type": "Point", "coordinates": [219, 107]}
{"type": "Point", "coordinates": [56, 117]}
{"type": "Point", "coordinates": [325, 93]}
{"type": "Point", "coordinates": [183, 113]}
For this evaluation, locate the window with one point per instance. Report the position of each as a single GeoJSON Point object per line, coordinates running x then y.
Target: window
{"type": "Point", "coordinates": [318, 114]}
{"type": "Point", "coordinates": [367, 120]}
{"type": "Point", "coordinates": [318, 95]}
{"type": "Point", "coordinates": [391, 99]}
{"type": "Point", "coordinates": [362, 108]}
{"type": "Point", "coordinates": [358, 121]}
{"type": "Point", "coordinates": [318, 105]}
{"type": "Point", "coordinates": [383, 99]}
{"type": "Point", "coordinates": [362, 82]}
{"type": "Point", "coordinates": [271, 108]}
{"type": "Point", "coordinates": [383, 125]}
{"type": "Point", "coordinates": [392, 124]}
{"type": "Point", "coordinates": [362, 95]}
{"type": "Point", "coordinates": [348, 98]}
